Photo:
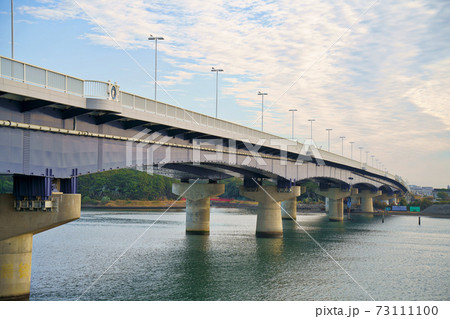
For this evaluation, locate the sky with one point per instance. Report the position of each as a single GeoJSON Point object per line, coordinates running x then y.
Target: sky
{"type": "Point", "coordinates": [376, 72]}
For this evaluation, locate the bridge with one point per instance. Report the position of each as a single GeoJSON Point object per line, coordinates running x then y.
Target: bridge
{"type": "Point", "coordinates": [55, 127]}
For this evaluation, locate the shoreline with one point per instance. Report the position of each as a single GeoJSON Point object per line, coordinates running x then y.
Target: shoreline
{"type": "Point", "coordinates": [403, 213]}
{"type": "Point", "coordinates": [181, 204]}
{"type": "Point", "coordinates": [301, 208]}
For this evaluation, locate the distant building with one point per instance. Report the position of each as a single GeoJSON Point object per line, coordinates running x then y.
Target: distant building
{"type": "Point", "coordinates": [441, 190]}
{"type": "Point", "coordinates": [422, 191]}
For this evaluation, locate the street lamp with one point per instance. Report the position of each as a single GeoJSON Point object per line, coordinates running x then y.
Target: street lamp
{"type": "Point", "coordinates": [217, 85]}
{"type": "Point", "coordinates": [351, 150]}
{"type": "Point", "coordinates": [12, 29]}
{"type": "Point", "coordinates": [262, 109]}
{"type": "Point", "coordinates": [360, 154]}
{"type": "Point", "coordinates": [372, 159]}
{"type": "Point", "coordinates": [151, 37]}
{"type": "Point", "coordinates": [342, 138]}
{"type": "Point", "coordinates": [311, 120]}
{"type": "Point", "coordinates": [329, 130]}
{"type": "Point", "coordinates": [293, 110]}
{"type": "Point", "coordinates": [367, 155]}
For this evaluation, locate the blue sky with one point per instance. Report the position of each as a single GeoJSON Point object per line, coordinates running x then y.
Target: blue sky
{"type": "Point", "coordinates": [377, 72]}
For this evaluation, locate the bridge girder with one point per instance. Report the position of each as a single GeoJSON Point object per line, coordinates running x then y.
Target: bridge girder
{"type": "Point", "coordinates": [30, 105]}
{"type": "Point", "coordinates": [73, 112]}
{"type": "Point", "coordinates": [197, 170]}
{"type": "Point", "coordinates": [366, 186]}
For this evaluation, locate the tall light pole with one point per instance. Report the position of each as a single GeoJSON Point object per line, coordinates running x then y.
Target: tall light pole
{"type": "Point", "coordinates": [217, 85]}
{"type": "Point", "coordinates": [351, 150]}
{"type": "Point", "coordinates": [342, 138]}
{"type": "Point", "coordinates": [360, 154]}
{"type": "Point", "coordinates": [329, 130]}
{"type": "Point", "coordinates": [292, 110]}
{"type": "Point", "coordinates": [262, 109]}
{"type": "Point", "coordinates": [311, 120]}
{"type": "Point", "coordinates": [12, 29]}
{"type": "Point", "coordinates": [367, 155]}
{"type": "Point", "coordinates": [151, 37]}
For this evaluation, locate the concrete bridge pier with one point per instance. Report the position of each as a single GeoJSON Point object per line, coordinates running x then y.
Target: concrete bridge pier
{"type": "Point", "coordinates": [269, 222]}
{"type": "Point", "coordinates": [197, 204]}
{"type": "Point", "coordinates": [367, 200]}
{"type": "Point", "coordinates": [393, 200]}
{"type": "Point", "coordinates": [385, 198]}
{"type": "Point", "coordinates": [17, 227]}
{"type": "Point", "coordinates": [354, 196]}
{"type": "Point", "coordinates": [289, 207]}
{"type": "Point", "coordinates": [335, 199]}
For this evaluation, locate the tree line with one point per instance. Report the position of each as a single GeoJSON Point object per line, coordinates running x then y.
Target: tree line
{"type": "Point", "coordinates": [129, 184]}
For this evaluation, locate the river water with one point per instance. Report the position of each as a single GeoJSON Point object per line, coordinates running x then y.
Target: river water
{"type": "Point", "coordinates": [139, 255]}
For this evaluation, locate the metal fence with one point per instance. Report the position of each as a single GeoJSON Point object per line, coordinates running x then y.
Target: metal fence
{"type": "Point", "coordinates": [136, 102]}
{"type": "Point", "coordinates": [96, 89]}
{"type": "Point", "coordinates": [30, 74]}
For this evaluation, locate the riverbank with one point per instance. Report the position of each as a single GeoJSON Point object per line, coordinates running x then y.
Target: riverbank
{"type": "Point", "coordinates": [137, 204]}
{"type": "Point", "coordinates": [165, 204]}
{"type": "Point", "coordinates": [181, 204]}
{"type": "Point", "coordinates": [440, 211]}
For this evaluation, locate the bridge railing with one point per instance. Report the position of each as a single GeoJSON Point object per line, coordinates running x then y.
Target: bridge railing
{"type": "Point", "coordinates": [30, 74]}
{"type": "Point", "coordinates": [96, 89]}
{"type": "Point", "coordinates": [136, 102]}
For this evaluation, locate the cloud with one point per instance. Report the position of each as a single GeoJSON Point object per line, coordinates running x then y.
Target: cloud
{"type": "Point", "coordinates": [432, 94]}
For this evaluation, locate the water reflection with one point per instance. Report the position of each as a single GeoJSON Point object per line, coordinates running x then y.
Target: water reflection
{"type": "Point", "coordinates": [194, 270]}
{"type": "Point", "coordinates": [232, 264]}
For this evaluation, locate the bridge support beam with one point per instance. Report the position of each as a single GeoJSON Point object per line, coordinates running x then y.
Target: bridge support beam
{"type": "Point", "coordinates": [367, 200]}
{"type": "Point", "coordinates": [197, 204]}
{"type": "Point", "coordinates": [289, 207]}
{"type": "Point", "coordinates": [335, 202]}
{"type": "Point", "coordinates": [269, 222]}
{"type": "Point", "coordinates": [16, 239]}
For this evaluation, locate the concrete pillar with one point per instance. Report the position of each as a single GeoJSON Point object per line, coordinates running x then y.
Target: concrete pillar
{"type": "Point", "coordinates": [340, 205]}
{"type": "Point", "coordinates": [367, 200]}
{"type": "Point", "coordinates": [355, 198]}
{"type": "Point", "coordinates": [393, 201]}
{"type": "Point", "coordinates": [268, 222]}
{"type": "Point", "coordinates": [197, 204]}
{"type": "Point", "coordinates": [336, 206]}
{"type": "Point", "coordinates": [16, 239]}
{"type": "Point", "coordinates": [15, 267]}
{"type": "Point", "coordinates": [289, 209]}
{"type": "Point", "coordinates": [327, 204]}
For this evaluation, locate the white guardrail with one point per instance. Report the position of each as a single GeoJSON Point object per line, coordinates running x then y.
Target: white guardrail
{"type": "Point", "coordinates": [27, 73]}
{"type": "Point", "coordinates": [30, 74]}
